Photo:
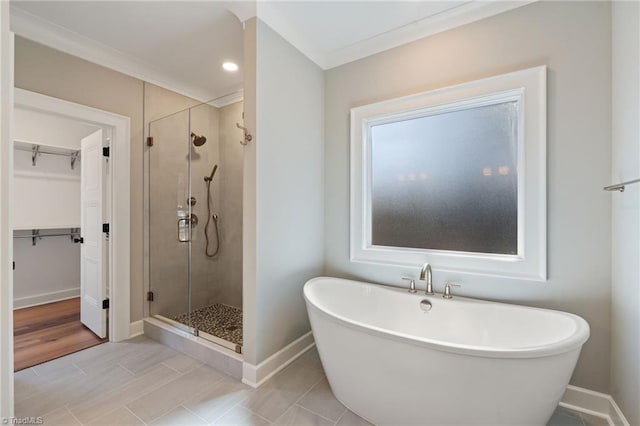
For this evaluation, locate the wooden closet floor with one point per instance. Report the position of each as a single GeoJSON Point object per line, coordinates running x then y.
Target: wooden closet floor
{"type": "Point", "coordinates": [46, 332]}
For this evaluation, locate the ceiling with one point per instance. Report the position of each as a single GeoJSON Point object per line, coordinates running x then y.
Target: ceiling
{"type": "Point", "coordinates": [181, 45]}
{"type": "Point", "coordinates": [175, 44]}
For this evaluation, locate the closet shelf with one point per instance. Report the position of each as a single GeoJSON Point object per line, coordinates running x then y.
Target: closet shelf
{"type": "Point", "coordinates": [35, 236]}
{"type": "Point", "coordinates": [37, 149]}
{"type": "Point", "coordinates": [45, 227]}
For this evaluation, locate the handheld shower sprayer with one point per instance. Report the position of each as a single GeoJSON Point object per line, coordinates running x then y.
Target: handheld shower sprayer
{"type": "Point", "coordinates": [208, 180]}
{"type": "Point", "coordinates": [213, 172]}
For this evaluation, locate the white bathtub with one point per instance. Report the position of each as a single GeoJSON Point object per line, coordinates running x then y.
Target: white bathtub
{"type": "Point", "coordinates": [464, 362]}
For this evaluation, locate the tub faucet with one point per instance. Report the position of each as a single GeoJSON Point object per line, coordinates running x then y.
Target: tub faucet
{"type": "Point", "coordinates": [427, 275]}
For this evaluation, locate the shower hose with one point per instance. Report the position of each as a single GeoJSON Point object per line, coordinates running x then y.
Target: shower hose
{"type": "Point", "coordinates": [215, 222]}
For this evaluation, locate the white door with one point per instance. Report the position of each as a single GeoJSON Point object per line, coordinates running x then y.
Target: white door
{"type": "Point", "coordinates": [93, 288]}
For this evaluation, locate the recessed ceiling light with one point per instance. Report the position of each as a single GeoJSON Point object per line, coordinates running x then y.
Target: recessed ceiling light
{"type": "Point", "coordinates": [230, 66]}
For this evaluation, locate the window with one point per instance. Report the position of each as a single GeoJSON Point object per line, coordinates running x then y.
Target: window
{"type": "Point", "coordinates": [454, 176]}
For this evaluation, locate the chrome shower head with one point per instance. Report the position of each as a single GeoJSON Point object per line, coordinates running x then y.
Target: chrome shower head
{"type": "Point", "coordinates": [198, 140]}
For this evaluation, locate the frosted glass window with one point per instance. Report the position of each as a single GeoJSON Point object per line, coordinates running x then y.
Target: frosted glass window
{"type": "Point", "coordinates": [447, 181]}
{"type": "Point", "coordinates": [454, 176]}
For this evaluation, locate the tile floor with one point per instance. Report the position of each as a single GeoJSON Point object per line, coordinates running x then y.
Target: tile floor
{"type": "Point", "coordinates": [143, 382]}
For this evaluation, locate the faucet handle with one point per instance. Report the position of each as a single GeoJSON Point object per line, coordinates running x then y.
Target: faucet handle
{"type": "Point", "coordinates": [412, 284]}
{"type": "Point", "coordinates": [447, 290]}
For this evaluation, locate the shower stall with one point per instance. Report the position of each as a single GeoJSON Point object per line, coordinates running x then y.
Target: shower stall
{"type": "Point", "coordinates": [195, 162]}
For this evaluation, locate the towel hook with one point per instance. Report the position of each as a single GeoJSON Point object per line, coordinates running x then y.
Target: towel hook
{"type": "Point", "coordinates": [620, 187]}
{"type": "Point", "coordinates": [247, 136]}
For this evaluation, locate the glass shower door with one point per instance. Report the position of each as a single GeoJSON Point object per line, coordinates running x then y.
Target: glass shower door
{"type": "Point", "coordinates": [195, 222]}
{"type": "Point", "coordinates": [170, 219]}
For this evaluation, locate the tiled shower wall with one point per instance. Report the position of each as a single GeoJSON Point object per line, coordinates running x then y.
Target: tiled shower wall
{"type": "Point", "coordinates": [218, 279]}
{"type": "Point", "coordinates": [227, 282]}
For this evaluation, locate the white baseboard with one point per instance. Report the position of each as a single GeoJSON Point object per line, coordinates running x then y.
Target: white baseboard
{"type": "Point", "coordinates": [136, 328]}
{"type": "Point", "coordinates": [255, 375]}
{"type": "Point", "coordinates": [593, 403]}
{"type": "Point", "coordinates": [43, 298]}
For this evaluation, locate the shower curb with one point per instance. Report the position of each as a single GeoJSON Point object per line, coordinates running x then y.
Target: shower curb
{"type": "Point", "coordinates": [215, 356]}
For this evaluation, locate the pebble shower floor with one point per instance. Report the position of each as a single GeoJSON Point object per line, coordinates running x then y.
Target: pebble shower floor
{"type": "Point", "coordinates": [220, 320]}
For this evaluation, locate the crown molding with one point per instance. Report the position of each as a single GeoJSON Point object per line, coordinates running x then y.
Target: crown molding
{"type": "Point", "coordinates": [449, 19]}
{"type": "Point", "coordinates": [232, 98]}
{"type": "Point", "coordinates": [268, 13]}
{"type": "Point", "coordinates": [49, 34]}
{"type": "Point", "coordinates": [59, 38]}
{"type": "Point", "coordinates": [244, 10]}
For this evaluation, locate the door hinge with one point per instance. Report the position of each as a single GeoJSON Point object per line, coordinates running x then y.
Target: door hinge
{"type": "Point", "coordinates": [105, 151]}
{"type": "Point", "coordinates": [105, 304]}
{"type": "Point", "coordinates": [78, 240]}
{"type": "Point", "coordinates": [150, 141]}
{"type": "Point", "coordinates": [150, 296]}
{"type": "Point", "coordinates": [105, 228]}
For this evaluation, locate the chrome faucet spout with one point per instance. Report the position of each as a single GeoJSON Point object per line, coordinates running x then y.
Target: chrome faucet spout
{"type": "Point", "coordinates": [426, 274]}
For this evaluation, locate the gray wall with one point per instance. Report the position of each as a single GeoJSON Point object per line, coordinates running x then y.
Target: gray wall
{"type": "Point", "coordinates": [287, 189]}
{"type": "Point", "coordinates": [574, 41]}
{"type": "Point", "coordinates": [625, 290]}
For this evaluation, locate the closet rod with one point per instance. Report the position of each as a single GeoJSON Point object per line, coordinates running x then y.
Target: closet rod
{"type": "Point", "coordinates": [40, 151]}
{"type": "Point", "coordinates": [36, 151]}
{"type": "Point", "coordinates": [73, 234]}
{"type": "Point", "coordinates": [47, 235]}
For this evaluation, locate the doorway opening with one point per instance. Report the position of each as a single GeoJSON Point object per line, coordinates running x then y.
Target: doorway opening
{"type": "Point", "coordinates": [68, 227]}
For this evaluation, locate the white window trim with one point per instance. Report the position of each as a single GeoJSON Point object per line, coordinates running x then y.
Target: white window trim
{"type": "Point", "coordinates": [529, 87]}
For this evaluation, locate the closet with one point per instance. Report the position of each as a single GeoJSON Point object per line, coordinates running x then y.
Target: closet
{"type": "Point", "coordinates": [47, 235]}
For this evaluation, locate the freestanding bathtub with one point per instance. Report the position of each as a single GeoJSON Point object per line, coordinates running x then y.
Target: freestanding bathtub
{"type": "Point", "coordinates": [463, 362]}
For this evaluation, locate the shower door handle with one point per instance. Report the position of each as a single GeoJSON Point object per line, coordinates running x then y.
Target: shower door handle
{"type": "Point", "coordinates": [184, 229]}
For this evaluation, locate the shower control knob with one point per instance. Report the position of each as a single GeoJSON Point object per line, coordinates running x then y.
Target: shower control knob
{"type": "Point", "coordinates": [192, 201]}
